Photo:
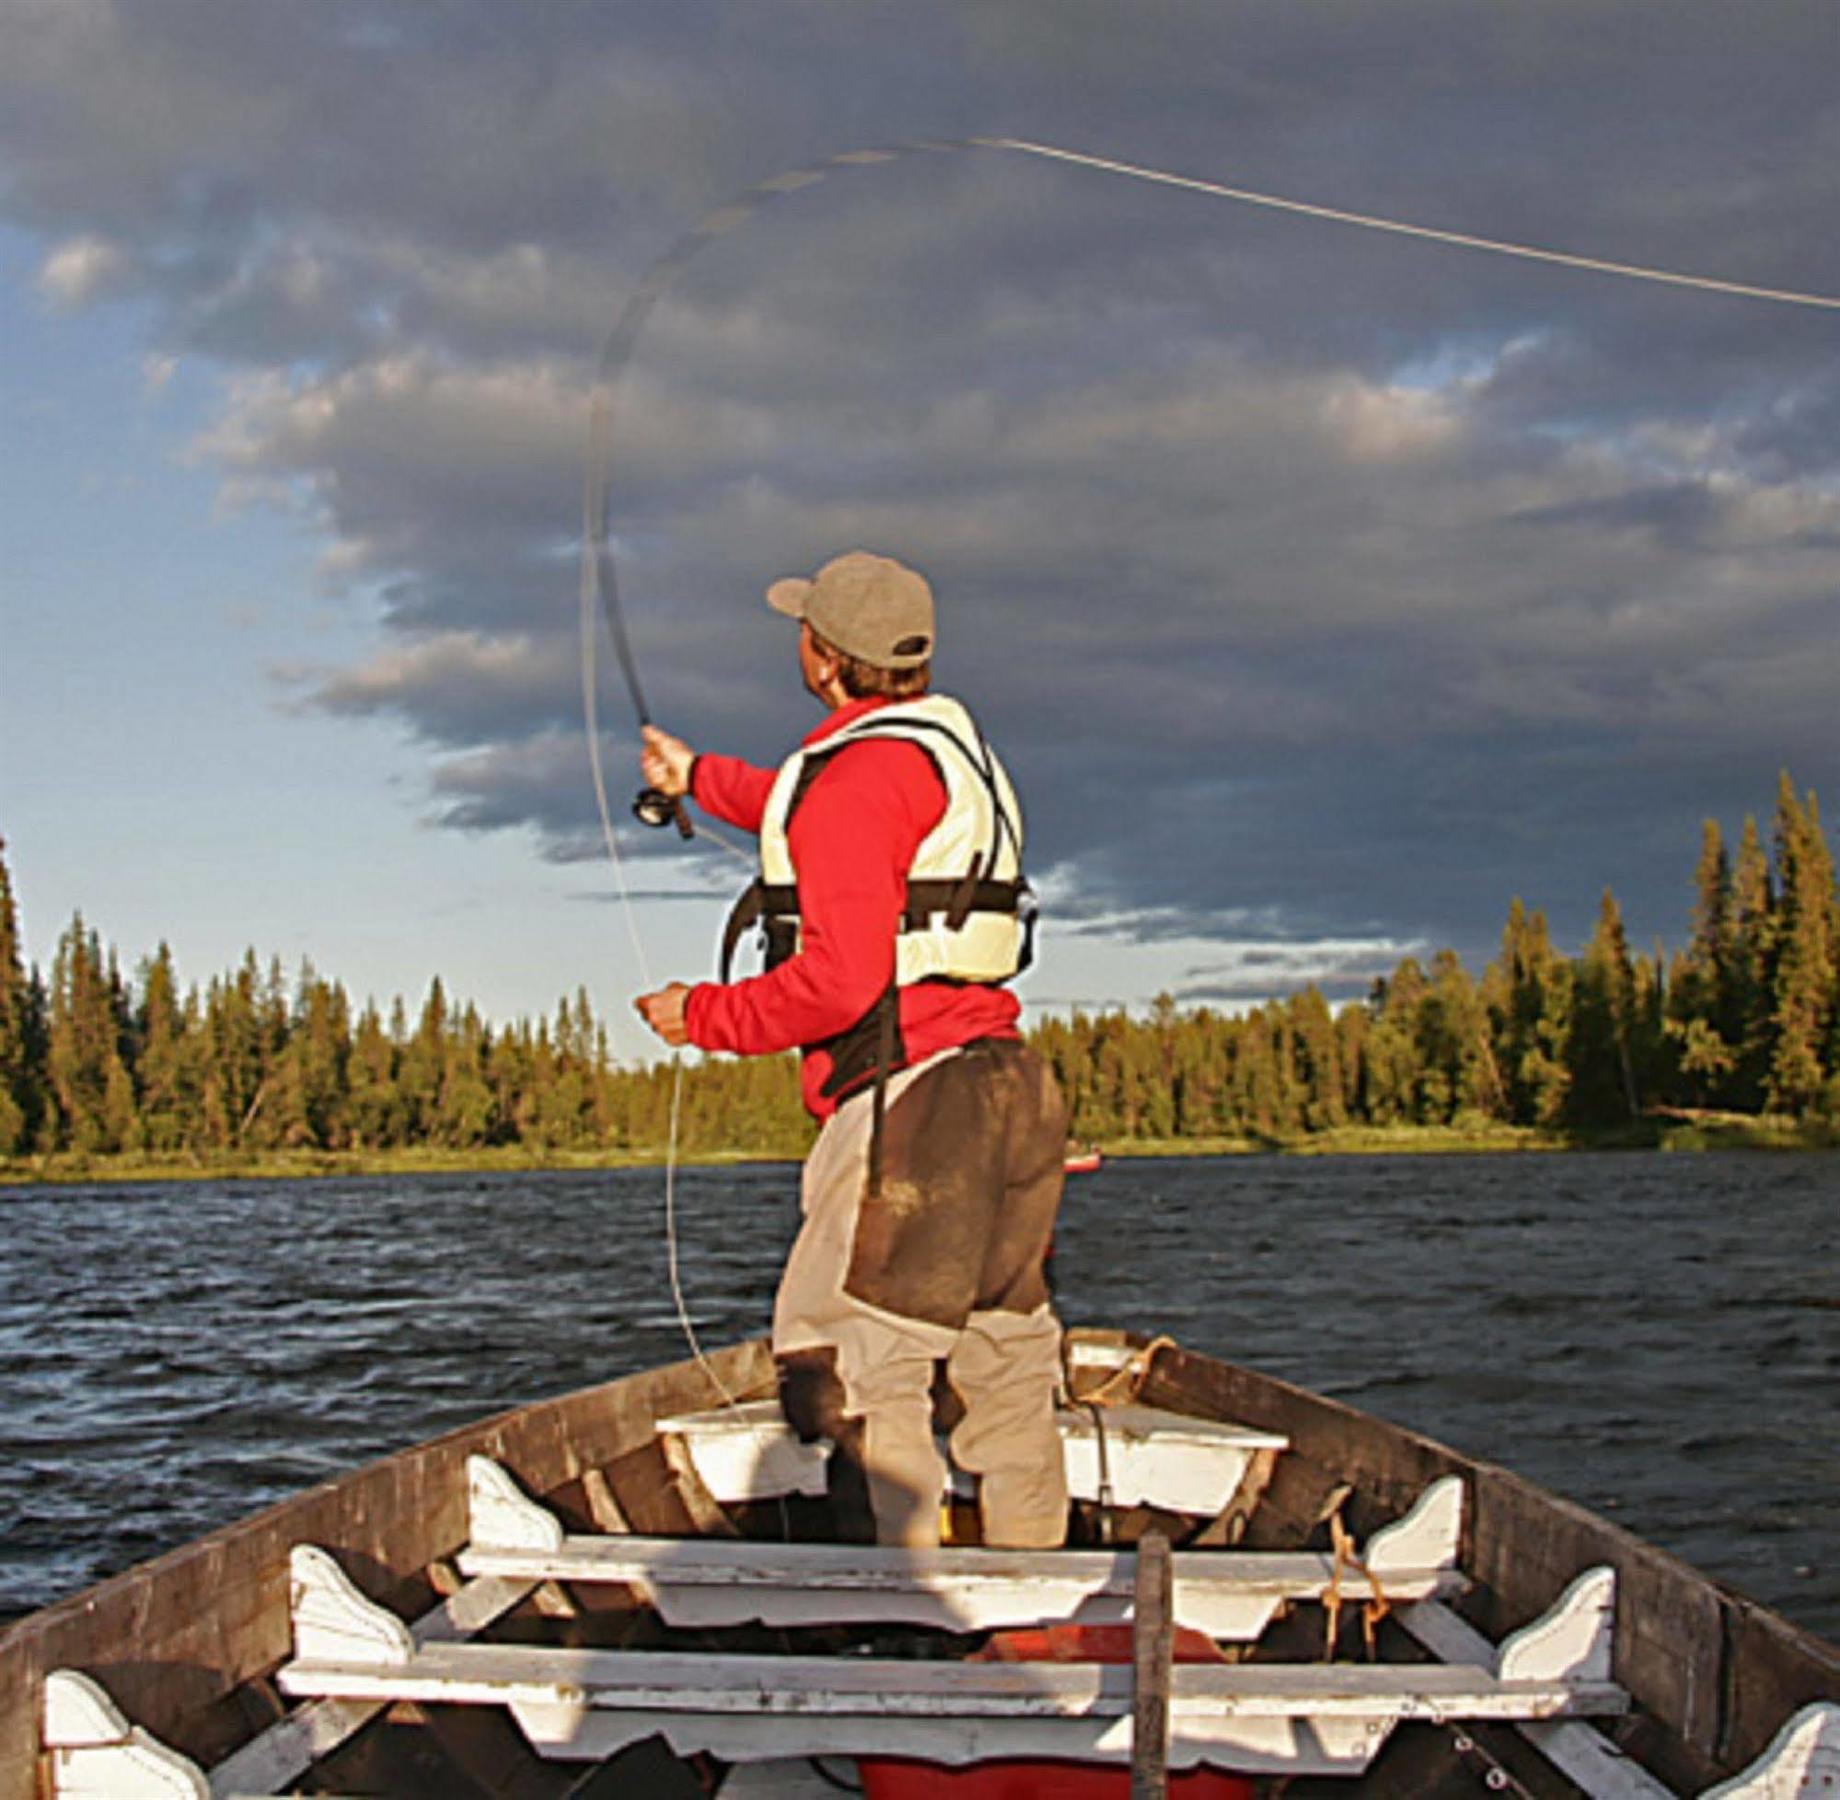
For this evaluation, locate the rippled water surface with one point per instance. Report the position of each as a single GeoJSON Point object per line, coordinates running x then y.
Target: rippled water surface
{"type": "Point", "coordinates": [1658, 1337]}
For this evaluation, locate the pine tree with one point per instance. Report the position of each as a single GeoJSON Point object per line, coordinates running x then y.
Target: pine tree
{"type": "Point", "coordinates": [18, 1098]}
{"type": "Point", "coordinates": [1802, 975]}
{"type": "Point", "coordinates": [1393, 1091]}
{"type": "Point", "coordinates": [1351, 1027]}
{"type": "Point", "coordinates": [465, 1117]}
{"type": "Point", "coordinates": [163, 1069]}
{"type": "Point", "coordinates": [1701, 1013]}
{"type": "Point", "coordinates": [1316, 1056]}
{"type": "Point", "coordinates": [1458, 1077]}
{"type": "Point", "coordinates": [1753, 956]}
{"type": "Point", "coordinates": [1528, 993]}
{"type": "Point", "coordinates": [1602, 1055]}
{"type": "Point", "coordinates": [373, 1105]}
{"type": "Point", "coordinates": [88, 1080]}
{"type": "Point", "coordinates": [1258, 1084]}
{"type": "Point", "coordinates": [313, 1074]}
{"type": "Point", "coordinates": [423, 1067]}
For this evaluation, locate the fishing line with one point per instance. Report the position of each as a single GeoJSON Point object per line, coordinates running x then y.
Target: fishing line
{"type": "Point", "coordinates": [599, 586]}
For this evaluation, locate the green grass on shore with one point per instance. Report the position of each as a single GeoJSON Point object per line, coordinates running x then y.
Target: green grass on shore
{"type": "Point", "coordinates": [295, 1165]}
{"type": "Point", "coordinates": [1703, 1131]}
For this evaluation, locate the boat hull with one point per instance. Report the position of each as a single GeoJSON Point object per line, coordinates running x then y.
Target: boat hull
{"type": "Point", "coordinates": [184, 1644]}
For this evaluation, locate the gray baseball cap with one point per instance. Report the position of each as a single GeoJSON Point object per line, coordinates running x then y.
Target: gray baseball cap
{"type": "Point", "coordinates": [870, 607]}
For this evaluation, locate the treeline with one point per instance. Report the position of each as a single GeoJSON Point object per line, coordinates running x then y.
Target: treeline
{"type": "Point", "coordinates": [253, 1063]}
{"type": "Point", "coordinates": [1746, 1018]}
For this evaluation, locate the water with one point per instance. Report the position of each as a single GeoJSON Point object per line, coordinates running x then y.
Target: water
{"type": "Point", "coordinates": [1658, 1337]}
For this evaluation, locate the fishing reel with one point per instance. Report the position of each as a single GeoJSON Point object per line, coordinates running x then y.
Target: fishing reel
{"type": "Point", "coordinates": [654, 807]}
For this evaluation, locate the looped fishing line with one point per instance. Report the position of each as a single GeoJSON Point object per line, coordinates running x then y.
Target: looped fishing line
{"type": "Point", "coordinates": [599, 577]}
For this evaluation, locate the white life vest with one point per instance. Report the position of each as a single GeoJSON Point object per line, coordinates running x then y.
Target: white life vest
{"type": "Point", "coordinates": [969, 911]}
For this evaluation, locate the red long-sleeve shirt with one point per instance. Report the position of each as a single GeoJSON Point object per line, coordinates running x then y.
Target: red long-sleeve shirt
{"type": "Point", "coordinates": [852, 840]}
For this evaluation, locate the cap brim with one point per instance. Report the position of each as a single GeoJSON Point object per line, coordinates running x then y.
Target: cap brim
{"type": "Point", "coordinates": [789, 596]}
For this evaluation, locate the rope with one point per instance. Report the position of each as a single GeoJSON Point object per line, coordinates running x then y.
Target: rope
{"type": "Point", "coordinates": [1136, 1372]}
{"type": "Point", "coordinates": [1373, 1610]}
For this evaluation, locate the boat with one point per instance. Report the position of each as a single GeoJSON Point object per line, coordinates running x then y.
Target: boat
{"type": "Point", "coordinates": [627, 1590]}
{"type": "Point", "coordinates": [1082, 1159]}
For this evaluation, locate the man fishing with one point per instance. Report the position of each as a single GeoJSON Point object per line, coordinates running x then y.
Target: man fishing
{"type": "Point", "coordinates": [894, 910]}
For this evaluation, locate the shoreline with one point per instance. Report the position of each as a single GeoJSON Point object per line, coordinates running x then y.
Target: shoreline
{"type": "Point", "coordinates": [1713, 1131]}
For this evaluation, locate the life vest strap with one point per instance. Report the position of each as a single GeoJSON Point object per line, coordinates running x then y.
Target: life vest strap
{"type": "Point", "coordinates": [772, 903]}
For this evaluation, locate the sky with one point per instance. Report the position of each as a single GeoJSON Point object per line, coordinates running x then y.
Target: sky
{"type": "Point", "coordinates": [1324, 590]}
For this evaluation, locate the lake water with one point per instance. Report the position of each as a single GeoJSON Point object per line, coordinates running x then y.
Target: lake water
{"type": "Point", "coordinates": [1656, 1336]}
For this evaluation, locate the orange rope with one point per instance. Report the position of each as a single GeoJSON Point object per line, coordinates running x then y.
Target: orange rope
{"type": "Point", "coordinates": [1373, 1610]}
{"type": "Point", "coordinates": [1136, 1372]}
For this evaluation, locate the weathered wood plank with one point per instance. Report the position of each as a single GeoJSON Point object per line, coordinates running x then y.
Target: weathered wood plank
{"type": "Point", "coordinates": [674, 1681]}
{"type": "Point", "coordinates": [287, 1749]}
{"type": "Point", "coordinates": [1579, 1751]}
{"type": "Point", "coordinates": [1715, 1673]}
{"type": "Point", "coordinates": [1152, 1657]}
{"type": "Point", "coordinates": [1227, 1594]}
{"type": "Point", "coordinates": [173, 1638]}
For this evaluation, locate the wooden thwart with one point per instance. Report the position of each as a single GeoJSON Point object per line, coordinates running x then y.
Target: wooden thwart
{"type": "Point", "coordinates": [697, 1582]}
{"type": "Point", "coordinates": [94, 1751]}
{"type": "Point", "coordinates": [1133, 1455]}
{"type": "Point", "coordinates": [586, 1704]}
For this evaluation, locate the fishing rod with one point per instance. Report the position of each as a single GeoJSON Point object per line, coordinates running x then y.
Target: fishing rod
{"type": "Point", "coordinates": [600, 595]}
{"type": "Point", "coordinates": [599, 576]}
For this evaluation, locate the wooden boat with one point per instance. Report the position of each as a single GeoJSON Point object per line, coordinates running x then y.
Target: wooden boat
{"type": "Point", "coordinates": [620, 1591]}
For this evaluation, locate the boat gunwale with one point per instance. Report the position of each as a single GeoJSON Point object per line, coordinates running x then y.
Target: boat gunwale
{"type": "Point", "coordinates": [202, 1621]}
{"type": "Point", "coordinates": [1717, 1670]}
{"type": "Point", "coordinates": [1713, 1699]}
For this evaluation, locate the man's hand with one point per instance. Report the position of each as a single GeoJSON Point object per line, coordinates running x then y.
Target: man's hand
{"type": "Point", "coordinates": [665, 762]}
{"type": "Point", "coordinates": [664, 1010]}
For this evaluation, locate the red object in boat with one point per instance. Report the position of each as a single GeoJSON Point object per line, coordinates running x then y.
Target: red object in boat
{"type": "Point", "coordinates": [905, 1778]}
{"type": "Point", "coordinates": [1081, 1162]}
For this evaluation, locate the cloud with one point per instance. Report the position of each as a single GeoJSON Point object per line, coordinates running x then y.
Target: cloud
{"type": "Point", "coordinates": [81, 269]}
{"type": "Point", "coordinates": [1323, 589]}
{"type": "Point", "coordinates": [1250, 972]}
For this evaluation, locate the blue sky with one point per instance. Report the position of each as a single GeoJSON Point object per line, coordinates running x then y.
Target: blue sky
{"type": "Point", "coordinates": [1325, 591]}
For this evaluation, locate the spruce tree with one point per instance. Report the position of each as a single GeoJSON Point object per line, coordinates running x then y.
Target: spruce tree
{"type": "Point", "coordinates": [1528, 990]}
{"type": "Point", "coordinates": [1351, 1027]}
{"type": "Point", "coordinates": [163, 1068]}
{"type": "Point", "coordinates": [373, 1106]}
{"type": "Point", "coordinates": [1393, 1091]}
{"type": "Point", "coordinates": [465, 1118]}
{"type": "Point", "coordinates": [1753, 955]}
{"type": "Point", "coordinates": [1459, 1076]}
{"type": "Point", "coordinates": [423, 1067]}
{"type": "Point", "coordinates": [1802, 974]}
{"type": "Point", "coordinates": [1701, 1015]}
{"type": "Point", "coordinates": [89, 1082]}
{"type": "Point", "coordinates": [18, 1099]}
{"type": "Point", "coordinates": [1317, 1061]}
{"type": "Point", "coordinates": [1602, 1055]}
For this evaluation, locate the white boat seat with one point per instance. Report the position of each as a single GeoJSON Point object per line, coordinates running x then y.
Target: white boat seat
{"type": "Point", "coordinates": [587, 1704]}
{"type": "Point", "coordinates": [1230, 1594]}
{"type": "Point", "coordinates": [1130, 1455]}
{"type": "Point", "coordinates": [94, 1753]}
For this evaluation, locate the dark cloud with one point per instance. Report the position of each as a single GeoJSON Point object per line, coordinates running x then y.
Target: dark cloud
{"type": "Point", "coordinates": [1323, 588]}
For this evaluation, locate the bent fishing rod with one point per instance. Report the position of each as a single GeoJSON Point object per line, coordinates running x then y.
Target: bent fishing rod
{"type": "Point", "coordinates": [599, 576]}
